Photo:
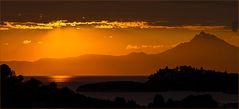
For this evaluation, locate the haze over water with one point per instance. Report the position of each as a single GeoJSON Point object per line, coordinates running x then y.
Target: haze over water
{"type": "Point", "coordinates": [143, 98]}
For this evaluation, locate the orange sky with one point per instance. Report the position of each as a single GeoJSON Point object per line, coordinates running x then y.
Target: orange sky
{"type": "Point", "coordinates": [19, 41]}
{"type": "Point", "coordinates": [32, 30]}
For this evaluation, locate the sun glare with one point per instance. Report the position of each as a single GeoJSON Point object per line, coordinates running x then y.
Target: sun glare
{"type": "Point", "coordinates": [63, 42]}
{"type": "Point", "coordinates": [59, 78]}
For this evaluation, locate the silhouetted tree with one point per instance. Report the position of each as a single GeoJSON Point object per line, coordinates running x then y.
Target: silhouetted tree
{"type": "Point", "coordinates": [34, 82]}
{"type": "Point", "coordinates": [119, 101]}
{"type": "Point", "coordinates": [158, 101]}
{"type": "Point", "coordinates": [20, 78]}
{"type": "Point", "coordinates": [32, 93]}
{"type": "Point", "coordinates": [132, 103]}
{"type": "Point", "coordinates": [192, 79]}
{"type": "Point", "coordinates": [172, 103]}
{"type": "Point", "coordinates": [6, 72]}
{"type": "Point", "coordinates": [199, 101]}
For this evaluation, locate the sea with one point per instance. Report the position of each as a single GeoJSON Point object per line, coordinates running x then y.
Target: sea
{"type": "Point", "coordinates": [141, 98]}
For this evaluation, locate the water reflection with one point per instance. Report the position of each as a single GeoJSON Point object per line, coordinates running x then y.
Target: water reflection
{"type": "Point", "coordinates": [59, 78]}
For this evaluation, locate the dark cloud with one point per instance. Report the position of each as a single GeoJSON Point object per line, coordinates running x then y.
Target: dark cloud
{"type": "Point", "coordinates": [167, 12]}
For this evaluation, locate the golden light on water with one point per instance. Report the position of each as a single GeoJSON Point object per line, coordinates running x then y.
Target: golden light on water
{"type": "Point", "coordinates": [60, 78]}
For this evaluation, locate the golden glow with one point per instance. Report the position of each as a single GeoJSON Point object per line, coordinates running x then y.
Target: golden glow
{"type": "Point", "coordinates": [101, 24]}
{"type": "Point", "coordinates": [130, 47]}
{"type": "Point", "coordinates": [31, 45]}
{"type": "Point", "coordinates": [27, 25]}
{"type": "Point", "coordinates": [59, 78]}
{"type": "Point", "coordinates": [70, 42]}
{"type": "Point", "coordinates": [61, 43]}
{"type": "Point", "coordinates": [4, 28]}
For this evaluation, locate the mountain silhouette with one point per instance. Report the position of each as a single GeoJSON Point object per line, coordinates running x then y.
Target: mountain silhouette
{"type": "Point", "coordinates": [204, 50]}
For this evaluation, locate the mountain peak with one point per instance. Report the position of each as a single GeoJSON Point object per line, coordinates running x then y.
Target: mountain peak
{"type": "Point", "coordinates": [205, 37]}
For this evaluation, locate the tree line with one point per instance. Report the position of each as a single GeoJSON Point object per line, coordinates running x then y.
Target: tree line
{"type": "Point", "coordinates": [33, 94]}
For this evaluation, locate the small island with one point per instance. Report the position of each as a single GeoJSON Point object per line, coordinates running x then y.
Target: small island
{"type": "Point", "coordinates": [182, 78]}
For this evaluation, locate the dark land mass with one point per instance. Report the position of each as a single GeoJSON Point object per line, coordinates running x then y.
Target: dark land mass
{"type": "Point", "coordinates": [183, 78]}
{"type": "Point", "coordinates": [33, 94]}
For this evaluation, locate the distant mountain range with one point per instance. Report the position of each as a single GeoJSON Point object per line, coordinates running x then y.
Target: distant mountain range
{"type": "Point", "coordinates": [204, 50]}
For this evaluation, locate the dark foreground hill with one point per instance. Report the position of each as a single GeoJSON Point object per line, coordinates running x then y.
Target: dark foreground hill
{"type": "Point", "coordinates": [32, 94]}
{"type": "Point", "coordinates": [183, 78]}
{"type": "Point", "coordinates": [192, 79]}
